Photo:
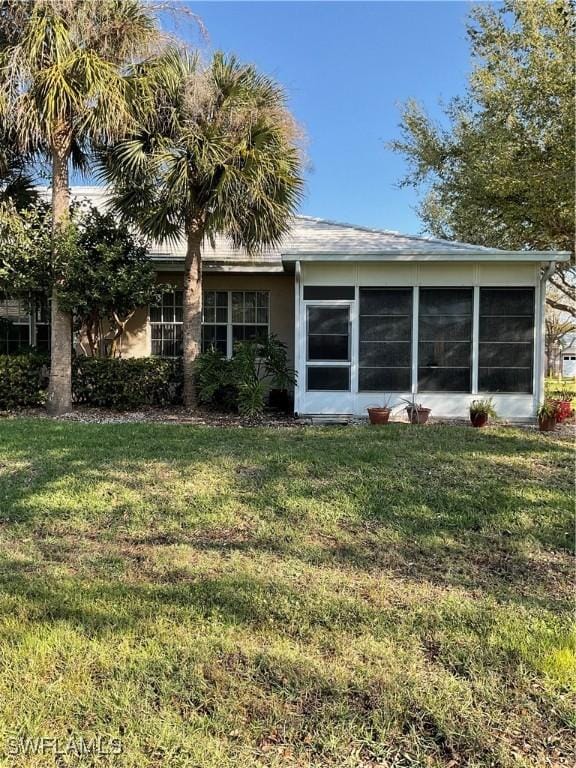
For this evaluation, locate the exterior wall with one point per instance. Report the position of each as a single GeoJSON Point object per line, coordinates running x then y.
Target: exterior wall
{"type": "Point", "coordinates": [137, 337]}
{"type": "Point", "coordinates": [412, 274]}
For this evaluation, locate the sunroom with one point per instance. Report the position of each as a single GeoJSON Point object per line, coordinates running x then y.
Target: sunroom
{"type": "Point", "coordinates": [442, 328]}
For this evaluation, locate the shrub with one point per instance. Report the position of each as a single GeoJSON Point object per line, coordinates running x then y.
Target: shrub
{"type": "Point", "coordinates": [484, 407]}
{"type": "Point", "coordinates": [126, 382]}
{"type": "Point", "coordinates": [242, 382]}
{"type": "Point", "coordinates": [23, 380]}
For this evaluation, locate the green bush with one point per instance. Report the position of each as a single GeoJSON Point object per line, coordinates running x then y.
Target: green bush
{"type": "Point", "coordinates": [23, 380]}
{"type": "Point", "coordinates": [240, 384]}
{"type": "Point", "coordinates": [126, 382]}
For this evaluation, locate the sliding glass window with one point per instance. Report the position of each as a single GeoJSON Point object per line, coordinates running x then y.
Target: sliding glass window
{"type": "Point", "coordinates": [506, 340]}
{"type": "Point", "coordinates": [445, 340]}
{"type": "Point", "coordinates": [385, 340]}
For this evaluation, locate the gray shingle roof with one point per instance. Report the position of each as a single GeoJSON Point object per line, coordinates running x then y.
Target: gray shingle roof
{"type": "Point", "coordinates": [312, 237]}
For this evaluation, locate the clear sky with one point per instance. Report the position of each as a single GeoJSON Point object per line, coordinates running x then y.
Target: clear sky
{"type": "Point", "coordinates": [346, 67]}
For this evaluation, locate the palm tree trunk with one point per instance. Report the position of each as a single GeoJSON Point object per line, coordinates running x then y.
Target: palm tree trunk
{"type": "Point", "coordinates": [60, 385]}
{"type": "Point", "coordinates": [192, 325]}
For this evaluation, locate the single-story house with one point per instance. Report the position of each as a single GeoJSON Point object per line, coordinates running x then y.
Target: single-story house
{"type": "Point", "coordinates": [367, 315]}
{"type": "Point", "coordinates": [569, 361]}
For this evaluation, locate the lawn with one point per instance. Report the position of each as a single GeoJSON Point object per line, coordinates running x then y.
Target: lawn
{"type": "Point", "coordinates": [228, 598]}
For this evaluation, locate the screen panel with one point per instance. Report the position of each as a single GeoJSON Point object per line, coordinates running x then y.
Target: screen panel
{"type": "Point", "coordinates": [445, 339]}
{"type": "Point", "coordinates": [385, 337]}
{"type": "Point", "coordinates": [506, 340]}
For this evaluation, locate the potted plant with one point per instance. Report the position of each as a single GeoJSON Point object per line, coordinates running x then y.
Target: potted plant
{"type": "Point", "coordinates": [547, 416]}
{"type": "Point", "coordinates": [379, 414]}
{"type": "Point", "coordinates": [417, 414]}
{"type": "Point", "coordinates": [563, 405]}
{"type": "Point", "coordinates": [481, 411]}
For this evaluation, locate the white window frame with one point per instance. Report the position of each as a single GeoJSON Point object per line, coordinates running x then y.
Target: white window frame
{"type": "Point", "coordinates": [173, 323]}
{"type": "Point", "coordinates": [230, 322]}
{"type": "Point", "coordinates": [27, 318]}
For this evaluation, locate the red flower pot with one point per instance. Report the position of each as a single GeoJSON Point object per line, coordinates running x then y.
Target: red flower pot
{"type": "Point", "coordinates": [379, 415]}
{"type": "Point", "coordinates": [479, 419]}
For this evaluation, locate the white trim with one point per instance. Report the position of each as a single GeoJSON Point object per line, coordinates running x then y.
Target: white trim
{"type": "Point", "coordinates": [408, 255]}
{"type": "Point", "coordinates": [475, 337]}
{"type": "Point", "coordinates": [415, 321]}
{"type": "Point", "coordinates": [297, 339]}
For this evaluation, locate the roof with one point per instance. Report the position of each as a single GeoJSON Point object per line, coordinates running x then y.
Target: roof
{"type": "Point", "coordinates": [314, 239]}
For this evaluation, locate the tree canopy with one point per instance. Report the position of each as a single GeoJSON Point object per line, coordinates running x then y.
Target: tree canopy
{"type": "Point", "coordinates": [218, 155]}
{"type": "Point", "coordinates": [108, 273]}
{"type": "Point", "coordinates": [501, 173]}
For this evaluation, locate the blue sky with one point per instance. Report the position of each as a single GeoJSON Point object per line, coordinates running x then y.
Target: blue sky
{"type": "Point", "coordinates": [346, 67]}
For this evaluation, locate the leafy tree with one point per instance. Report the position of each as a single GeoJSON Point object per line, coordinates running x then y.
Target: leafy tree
{"type": "Point", "coordinates": [65, 85]}
{"type": "Point", "coordinates": [502, 173]}
{"type": "Point", "coordinates": [108, 277]}
{"type": "Point", "coordinates": [217, 156]}
{"type": "Point", "coordinates": [25, 248]}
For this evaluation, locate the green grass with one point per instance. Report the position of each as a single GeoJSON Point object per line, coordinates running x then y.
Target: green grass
{"type": "Point", "coordinates": [222, 598]}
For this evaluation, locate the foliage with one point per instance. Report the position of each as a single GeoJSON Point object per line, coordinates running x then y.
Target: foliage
{"type": "Point", "coordinates": [502, 173]}
{"type": "Point", "coordinates": [67, 81]}
{"type": "Point", "coordinates": [217, 156]}
{"type": "Point", "coordinates": [242, 382]}
{"type": "Point", "coordinates": [126, 383]}
{"type": "Point", "coordinates": [548, 409]}
{"type": "Point", "coordinates": [411, 404]}
{"type": "Point", "coordinates": [23, 380]}
{"type": "Point", "coordinates": [484, 407]}
{"type": "Point", "coordinates": [329, 597]}
{"type": "Point", "coordinates": [108, 277]}
{"type": "Point", "coordinates": [25, 248]}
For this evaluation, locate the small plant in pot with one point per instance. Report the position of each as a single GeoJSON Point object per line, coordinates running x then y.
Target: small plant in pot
{"type": "Point", "coordinates": [379, 414]}
{"type": "Point", "coordinates": [481, 411]}
{"type": "Point", "coordinates": [416, 412]}
{"type": "Point", "coordinates": [547, 414]}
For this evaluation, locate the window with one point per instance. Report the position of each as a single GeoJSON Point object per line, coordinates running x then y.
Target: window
{"type": "Point", "coordinates": [385, 363]}
{"type": "Point", "coordinates": [166, 325]}
{"type": "Point", "coordinates": [215, 321]}
{"type": "Point", "coordinates": [229, 317]}
{"type": "Point", "coordinates": [328, 340]}
{"type": "Point", "coordinates": [23, 324]}
{"type": "Point", "coordinates": [506, 340]}
{"type": "Point", "coordinates": [42, 323]}
{"type": "Point", "coordinates": [14, 326]}
{"type": "Point", "coordinates": [445, 340]}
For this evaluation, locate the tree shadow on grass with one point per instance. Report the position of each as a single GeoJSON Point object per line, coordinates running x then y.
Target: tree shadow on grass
{"type": "Point", "coordinates": [453, 506]}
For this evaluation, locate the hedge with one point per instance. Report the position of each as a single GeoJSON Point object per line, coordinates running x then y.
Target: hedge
{"type": "Point", "coordinates": [126, 382]}
{"type": "Point", "coordinates": [107, 382]}
{"type": "Point", "coordinates": [23, 380]}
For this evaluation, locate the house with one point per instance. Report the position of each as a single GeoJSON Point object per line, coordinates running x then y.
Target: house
{"type": "Point", "coordinates": [568, 355]}
{"type": "Point", "coordinates": [367, 314]}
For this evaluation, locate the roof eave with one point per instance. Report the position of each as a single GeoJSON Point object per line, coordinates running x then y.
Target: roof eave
{"type": "Point", "coordinates": [436, 255]}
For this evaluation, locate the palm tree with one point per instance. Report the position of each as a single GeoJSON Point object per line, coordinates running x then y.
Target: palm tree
{"type": "Point", "coordinates": [219, 156]}
{"type": "Point", "coordinates": [64, 88]}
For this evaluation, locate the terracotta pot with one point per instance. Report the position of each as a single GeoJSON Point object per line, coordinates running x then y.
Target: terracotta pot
{"type": "Point", "coordinates": [547, 423]}
{"type": "Point", "coordinates": [417, 415]}
{"type": "Point", "coordinates": [379, 415]}
{"type": "Point", "coordinates": [479, 419]}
